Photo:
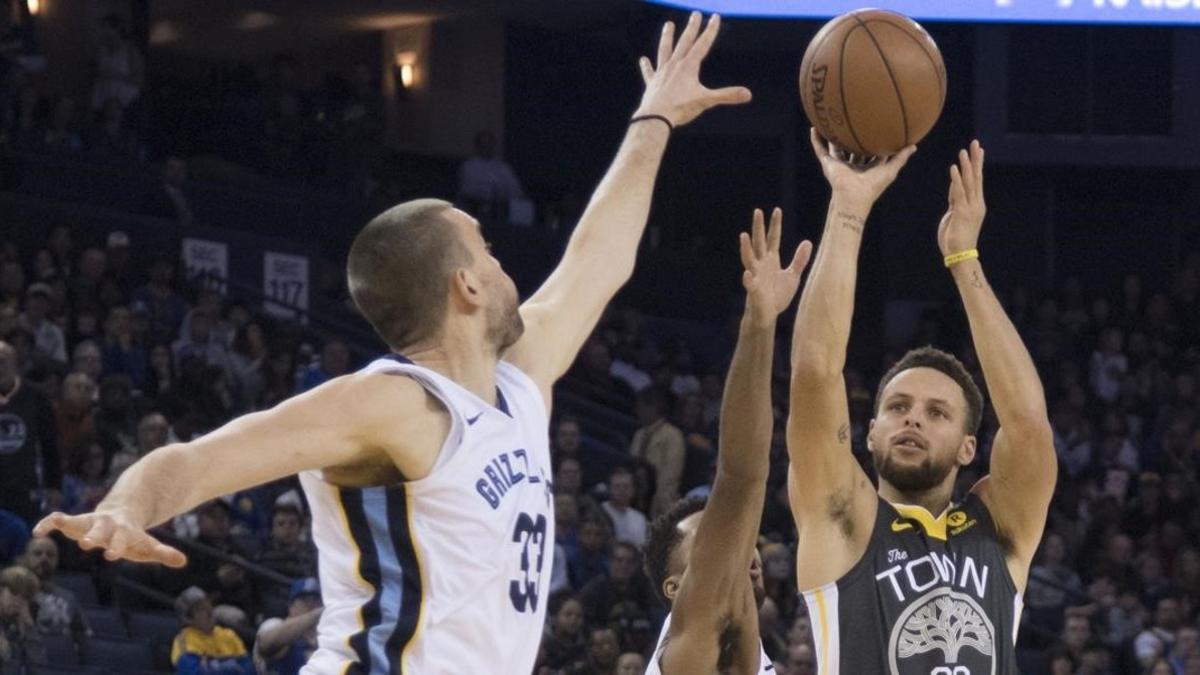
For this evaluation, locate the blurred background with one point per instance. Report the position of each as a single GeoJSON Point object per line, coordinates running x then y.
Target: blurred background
{"type": "Point", "coordinates": [180, 181]}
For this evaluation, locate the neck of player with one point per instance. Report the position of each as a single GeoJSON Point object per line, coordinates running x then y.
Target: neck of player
{"type": "Point", "coordinates": [935, 500]}
{"type": "Point", "coordinates": [462, 358]}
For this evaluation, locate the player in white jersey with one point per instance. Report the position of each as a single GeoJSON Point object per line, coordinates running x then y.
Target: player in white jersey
{"type": "Point", "coordinates": [429, 478]}
{"type": "Point", "coordinates": [701, 556]}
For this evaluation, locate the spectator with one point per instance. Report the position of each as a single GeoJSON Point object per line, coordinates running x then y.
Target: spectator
{"type": "Point", "coordinates": [164, 307]}
{"type": "Point", "coordinates": [779, 579]}
{"type": "Point", "coordinates": [590, 558]}
{"type": "Point", "coordinates": [486, 182]}
{"type": "Point", "coordinates": [86, 482]}
{"type": "Point", "coordinates": [121, 353]}
{"type": "Point", "coordinates": [223, 579]}
{"type": "Point", "coordinates": [111, 141]}
{"type": "Point", "coordinates": [86, 358]}
{"type": "Point", "coordinates": [119, 66]}
{"type": "Point", "coordinates": [120, 268]}
{"type": "Point", "coordinates": [1050, 580]}
{"type": "Point", "coordinates": [202, 647]}
{"type": "Point", "coordinates": [286, 553]}
{"type": "Point", "coordinates": [802, 660]}
{"type": "Point", "coordinates": [567, 443]}
{"type": "Point", "coordinates": [1108, 366]}
{"type": "Point", "coordinates": [161, 374]}
{"type": "Point", "coordinates": [30, 468]}
{"type": "Point", "coordinates": [58, 610]}
{"type": "Point", "coordinates": [168, 199]}
{"type": "Point", "coordinates": [198, 342]}
{"type": "Point", "coordinates": [1158, 640]}
{"type": "Point", "coordinates": [48, 340]}
{"type": "Point", "coordinates": [248, 353]}
{"type": "Point", "coordinates": [603, 649]}
{"type": "Point", "coordinates": [629, 524]}
{"type": "Point", "coordinates": [116, 424]}
{"type": "Point", "coordinates": [75, 417]}
{"type": "Point", "coordinates": [334, 362]}
{"type": "Point", "coordinates": [661, 444]}
{"type": "Point", "coordinates": [624, 582]}
{"type": "Point", "coordinates": [85, 285]}
{"type": "Point", "coordinates": [283, 646]}
{"type": "Point", "coordinates": [20, 642]}
{"type": "Point", "coordinates": [1076, 633]}
{"type": "Point", "coordinates": [278, 378]}
{"type": "Point", "coordinates": [153, 432]}
{"type": "Point", "coordinates": [1187, 645]}
{"type": "Point", "coordinates": [62, 136]}
{"type": "Point", "coordinates": [563, 644]}
{"type": "Point", "coordinates": [14, 535]}
{"type": "Point", "coordinates": [12, 284]}
{"type": "Point", "coordinates": [630, 663]}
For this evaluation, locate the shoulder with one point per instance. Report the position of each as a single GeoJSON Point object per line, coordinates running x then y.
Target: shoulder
{"type": "Point", "coordinates": [225, 636]}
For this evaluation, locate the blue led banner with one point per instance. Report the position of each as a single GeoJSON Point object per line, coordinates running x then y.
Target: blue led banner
{"type": "Point", "coordinates": [1042, 11]}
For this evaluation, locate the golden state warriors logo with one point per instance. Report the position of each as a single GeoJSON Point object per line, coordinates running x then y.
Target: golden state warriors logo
{"type": "Point", "coordinates": [943, 633]}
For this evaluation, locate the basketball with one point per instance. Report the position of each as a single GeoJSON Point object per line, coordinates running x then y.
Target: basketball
{"type": "Point", "coordinates": [872, 82]}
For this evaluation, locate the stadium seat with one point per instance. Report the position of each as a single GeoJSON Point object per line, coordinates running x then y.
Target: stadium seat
{"type": "Point", "coordinates": [105, 621]}
{"type": "Point", "coordinates": [118, 655]}
{"type": "Point", "coordinates": [159, 629]}
{"type": "Point", "coordinates": [60, 650]}
{"type": "Point", "coordinates": [82, 585]}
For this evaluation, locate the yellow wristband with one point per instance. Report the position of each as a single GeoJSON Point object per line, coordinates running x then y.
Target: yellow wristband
{"type": "Point", "coordinates": [955, 258]}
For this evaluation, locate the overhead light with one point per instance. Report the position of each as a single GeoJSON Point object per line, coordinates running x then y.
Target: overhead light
{"type": "Point", "coordinates": [256, 21]}
{"type": "Point", "coordinates": [35, 7]}
{"type": "Point", "coordinates": [406, 69]}
{"type": "Point", "coordinates": [163, 32]}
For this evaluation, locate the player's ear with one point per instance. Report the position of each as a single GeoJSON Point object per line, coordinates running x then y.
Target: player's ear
{"type": "Point", "coordinates": [466, 288]}
{"type": "Point", "coordinates": [871, 434]}
{"type": "Point", "coordinates": [671, 587]}
{"type": "Point", "coordinates": [966, 451]}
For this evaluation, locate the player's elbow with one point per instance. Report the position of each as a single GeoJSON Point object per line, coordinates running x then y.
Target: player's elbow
{"type": "Point", "coordinates": [812, 363]}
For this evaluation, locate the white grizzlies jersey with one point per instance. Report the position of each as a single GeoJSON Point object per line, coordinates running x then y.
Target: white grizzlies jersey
{"type": "Point", "coordinates": [444, 574]}
{"type": "Point", "coordinates": [655, 667]}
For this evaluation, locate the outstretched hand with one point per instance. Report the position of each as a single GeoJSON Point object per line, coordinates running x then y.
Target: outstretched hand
{"type": "Point", "coordinates": [120, 539]}
{"type": "Point", "coordinates": [673, 87]}
{"type": "Point", "coordinates": [860, 186]}
{"type": "Point", "coordinates": [959, 229]}
{"type": "Point", "coordinates": [770, 287]}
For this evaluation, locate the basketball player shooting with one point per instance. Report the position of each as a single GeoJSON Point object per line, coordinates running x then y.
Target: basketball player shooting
{"type": "Point", "coordinates": [903, 581]}
{"type": "Point", "coordinates": [702, 556]}
{"type": "Point", "coordinates": [428, 472]}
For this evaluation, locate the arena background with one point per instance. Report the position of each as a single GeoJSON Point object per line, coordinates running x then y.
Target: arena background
{"type": "Point", "coordinates": [263, 134]}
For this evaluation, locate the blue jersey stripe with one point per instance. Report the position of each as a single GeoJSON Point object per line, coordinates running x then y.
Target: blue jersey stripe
{"type": "Point", "coordinates": [369, 568]}
{"type": "Point", "coordinates": [391, 592]}
{"type": "Point", "coordinates": [404, 545]}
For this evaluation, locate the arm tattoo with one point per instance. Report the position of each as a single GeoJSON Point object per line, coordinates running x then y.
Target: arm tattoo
{"type": "Point", "coordinates": [843, 433]}
{"type": "Point", "coordinates": [851, 221]}
{"type": "Point", "coordinates": [975, 280]}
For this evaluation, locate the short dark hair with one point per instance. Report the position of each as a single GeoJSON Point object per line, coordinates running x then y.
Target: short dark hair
{"type": "Point", "coordinates": [663, 538]}
{"type": "Point", "coordinates": [947, 364]}
{"type": "Point", "coordinates": [287, 507]}
{"type": "Point", "coordinates": [657, 397]}
{"type": "Point", "coordinates": [620, 470]}
{"type": "Point", "coordinates": [399, 268]}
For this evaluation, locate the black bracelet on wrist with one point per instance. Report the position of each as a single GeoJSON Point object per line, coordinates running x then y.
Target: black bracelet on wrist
{"type": "Point", "coordinates": [643, 118]}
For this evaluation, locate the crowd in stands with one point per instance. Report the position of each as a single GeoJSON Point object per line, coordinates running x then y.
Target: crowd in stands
{"type": "Point", "coordinates": [107, 354]}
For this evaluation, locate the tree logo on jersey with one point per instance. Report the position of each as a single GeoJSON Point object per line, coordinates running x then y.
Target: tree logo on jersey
{"type": "Point", "coordinates": [943, 629]}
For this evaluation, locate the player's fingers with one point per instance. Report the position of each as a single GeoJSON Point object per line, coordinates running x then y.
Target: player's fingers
{"type": "Point", "coordinates": [666, 43]}
{"type": "Point", "coordinates": [800, 260]}
{"type": "Point", "coordinates": [688, 37]}
{"type": "Point", "coordinates": [748, 280]}
{"type": "Point", "coordinates": [704, 43]}
{"type": "Point", "coordinates": [977, 162]}
{"type": "Point", "coordinates": [957, 194]}
{"type": "Point", "coordinates": [745, 250]}
{"type": "Point", "coordinates": [68, 525]}
{"type": "Point", "coordinates": [729, 96]}
{"type": "Point", "coordinates": [144, 548]}
{"type": "Point", "coordinates": [897, 161]}
{"type": "Point", "coordinates": [98, 535]}
{"type": "Point", "coordinates": [966, 172]}
{"type": "Point", "coordinates": [646, 68]}
{"type": "Point", "coordinates": [117, 545]}
{"type": "Point", "coordinates": [773, 232]}
{"type": "Point", "coordinates": [820, 147]}
{"type": "Point", "coordinates": [759, 236]}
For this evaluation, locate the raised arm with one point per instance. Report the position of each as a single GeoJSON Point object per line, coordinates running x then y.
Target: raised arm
{"type": "Point", "coordinates": [718, 567]}
{"type": "Point", "coordinates": [1024, 467]}
{"type": "Point", "coordinates": [329, 426]}
{"type": "Point", "coordinates": [832, 500]}
{"type": "Point", "coordinates": [602, 250]}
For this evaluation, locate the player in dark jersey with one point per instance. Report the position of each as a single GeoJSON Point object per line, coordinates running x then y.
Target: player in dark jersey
{"type": "Point", "coordinates": [701, 557]}
{"type": "Point", "coordinates": [903, 581]}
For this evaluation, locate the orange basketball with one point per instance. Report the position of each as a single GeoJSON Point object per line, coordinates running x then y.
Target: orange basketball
{"type": "Point", "coordinates": [873, 82]}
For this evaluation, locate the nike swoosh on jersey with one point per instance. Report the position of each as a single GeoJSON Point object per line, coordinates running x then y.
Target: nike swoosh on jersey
{"type": "Point", "coordinates": [900, 526]}
{"type": "Point", "coordinates": [472, 420]}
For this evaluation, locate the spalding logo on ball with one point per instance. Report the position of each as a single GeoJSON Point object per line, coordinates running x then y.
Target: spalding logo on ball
{"type": "Point", "coordinates": [872, 82]}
